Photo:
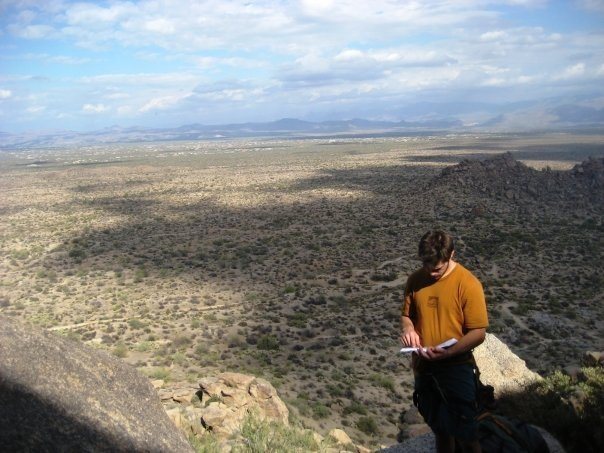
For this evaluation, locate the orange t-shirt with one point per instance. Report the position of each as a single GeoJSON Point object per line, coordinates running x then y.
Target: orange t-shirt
{"type": "Point", "coordinates": [445, 308]}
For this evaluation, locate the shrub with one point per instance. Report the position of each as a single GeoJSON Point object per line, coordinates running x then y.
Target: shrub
{"type": "Point", "coordinates": [179, 358]}
{"type": "Point", "coordinates": [77, 254]}
{"type": "Point", "coordinates": [160, 373]}
{"type": "Point", "coordinates": [264, 436]}
{"type": "Point", "coordinates": [302, 405]}
{"type": "Point", "coordinates": [181, 341]}
{"type": "Point", "coordinates": [320, 410]}
{"type": "Point", "coordinates": [335, 390]}
{"type": "Point", "coordinates": [120, 350]}
{"type": "Point", "coordinates": [298, 320]}
{"type": "Point", "coordinates": [268, 343]}
{"type": "Point", "coordinates": [136, 324]}
{"type": "Point", "coordinates": [139, 274]}
{"type": "Point", "coordinates": [236, 341]}
{"type": "Point", "coordinates": [355, 407]}
{"type": "Point", "coordinates": [382, 381]}
{"type": "Point", "coordinates": [384, 277]}
{"type": "Point", "coordinates": [367, 425]}
{"type": "Point", "coordinates": [144, 346]}
{"type": "Point", "coordinates": [570, 409]}
{"type": "Point", "coordinates": [206, 443]}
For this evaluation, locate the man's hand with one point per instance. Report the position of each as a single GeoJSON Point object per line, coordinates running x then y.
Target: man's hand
{"type": "Point", "coordinates": [410, 339]}
{"type": "Point", "coordinates": [434, 353]}
{"type": "Point", "coordinates": [409, 336]}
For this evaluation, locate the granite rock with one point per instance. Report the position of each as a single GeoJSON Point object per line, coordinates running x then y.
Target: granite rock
{"type": "Point", "coordinates": [61, 395]}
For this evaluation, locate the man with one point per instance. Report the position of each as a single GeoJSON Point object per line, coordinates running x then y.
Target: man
{"type": "Point", "coordinates": [443, 300]}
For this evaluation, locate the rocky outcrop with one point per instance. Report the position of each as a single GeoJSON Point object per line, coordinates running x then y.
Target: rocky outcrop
{"type": "Point", "coordinates": [221, 404]}
{"type": "Point", "coordinates": [60, 395]}
{"type": "Point", "coordinates": [504, 177]}
{"type": "Point", "coordinates": [225, 401]}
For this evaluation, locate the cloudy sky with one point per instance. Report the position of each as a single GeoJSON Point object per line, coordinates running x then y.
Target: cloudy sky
{"type": "Point", "coordinates": [86, 65]}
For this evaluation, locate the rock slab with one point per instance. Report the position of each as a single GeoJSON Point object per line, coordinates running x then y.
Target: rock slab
{"type": "Point", "coordinates": [61, 395]}
{"type": "Point", "coordinates": [501, 368]}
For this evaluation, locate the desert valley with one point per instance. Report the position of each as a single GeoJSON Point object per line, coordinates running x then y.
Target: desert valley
{"type": "Point", "coordinates": [287, 259]}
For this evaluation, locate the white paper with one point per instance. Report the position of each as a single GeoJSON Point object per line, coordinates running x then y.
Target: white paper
{"type": "Point", "coordinates": [444, 345]}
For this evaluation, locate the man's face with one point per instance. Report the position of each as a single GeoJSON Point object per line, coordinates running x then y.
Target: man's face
{"type": "Point", "coordinates": [436, 271]}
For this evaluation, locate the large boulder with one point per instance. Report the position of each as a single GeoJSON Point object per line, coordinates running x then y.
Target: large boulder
{"type": "Point", "coordinates": [61, 395]}
{"type": "Point", "coordinates": [501, 368]}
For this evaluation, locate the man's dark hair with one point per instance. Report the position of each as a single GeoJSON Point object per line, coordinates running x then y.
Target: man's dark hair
{"type": "Point", "coordinates": [435, 246]}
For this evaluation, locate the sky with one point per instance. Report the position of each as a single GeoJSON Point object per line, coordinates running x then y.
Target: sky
{"type": "Point", "coordinates": [88, 65]}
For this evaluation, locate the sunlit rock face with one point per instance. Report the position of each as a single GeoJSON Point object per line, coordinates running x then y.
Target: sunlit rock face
{"type": "Point", "coordinates": [501, 368]}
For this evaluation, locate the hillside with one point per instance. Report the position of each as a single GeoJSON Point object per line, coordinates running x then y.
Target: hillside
{"type": "Point", "coordinates": [286, 259]}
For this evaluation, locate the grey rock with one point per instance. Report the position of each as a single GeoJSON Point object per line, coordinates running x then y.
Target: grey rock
{"type": "Point", "coordinates": [412, 416]}
{"type": "Point", "coordinates": [61, 395]}
{"type": "Point", "coordinates": [501, 368]}
{"type": "Point", "coordinates": [593, 358]}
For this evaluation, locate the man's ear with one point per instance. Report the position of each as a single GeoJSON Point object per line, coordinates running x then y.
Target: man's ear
{"type": "Point", "coordinates": [452, 254]}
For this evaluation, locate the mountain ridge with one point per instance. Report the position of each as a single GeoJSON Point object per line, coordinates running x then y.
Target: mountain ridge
{"type": "Point", "coordinates": [425, 118]}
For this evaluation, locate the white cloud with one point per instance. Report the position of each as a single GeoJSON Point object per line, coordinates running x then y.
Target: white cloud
{"type": "Point", "coordinates": [26, 16]}
{"type": "Point", "coordinates": [35, 109]}
{"type": "Point", "coordinates": [316, 7]}
{"type": "Point", "coordinates": [493, 35]}
{"type": "Point", "coordinates": [162, 26]}
{"type": "Point", "coordinates": [264, 24]}
{"type": "Point", "coordinates": [31, 31]}
{"type": "Point", "coordinates": [527, 3]}
{"type": "Point", "coordinates": [119, 95]}
{"type": "Point", "coordinates": [92, 15]}
{"type": "Point", "coordinates": [142, 79]}
{"type": "Point", "coordinates": [125, 110]}
{"type": "Point", "coordinates": [509, 81]}
{"type": "Point", "coordinates": [5, 94]}
{"type": "Point", "coordinates": [213, 62]}
{"type": "Point", "coordinates": [64, 59]}
{"type": "Point", "coordinates": [163, 102]}
{"type": "Point", "coordinates": [572, 72]}
{"type": "Point", "coordinates": [94, 108]}
{"type": "Point", "coordinates": [58, 59]}
{"type": "Point", "coordinates": [349, 54]}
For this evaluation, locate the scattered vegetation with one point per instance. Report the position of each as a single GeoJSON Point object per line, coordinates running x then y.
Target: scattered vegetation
{"type": "Point", "coordinates": [569, 408]}
{"type": "Point", "coordinates": [263, 436]}
{"type": "Point", "coordinates": [367, 425]}
{"type": "Point", "coordinates": [267, 263]}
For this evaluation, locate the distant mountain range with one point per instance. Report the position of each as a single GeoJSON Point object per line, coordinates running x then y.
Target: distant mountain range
{"type": "Point", "coordinates": [517, 118]}
{"type": "Point", "coordinates": [286, 127]}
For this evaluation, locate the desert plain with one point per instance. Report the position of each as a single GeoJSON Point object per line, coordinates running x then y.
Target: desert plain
{"type": "Point", "coordinates": [287, 258]}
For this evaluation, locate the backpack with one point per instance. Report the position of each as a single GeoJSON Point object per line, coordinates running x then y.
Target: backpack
{"type": "Point", "coordinates": [501, 434]}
